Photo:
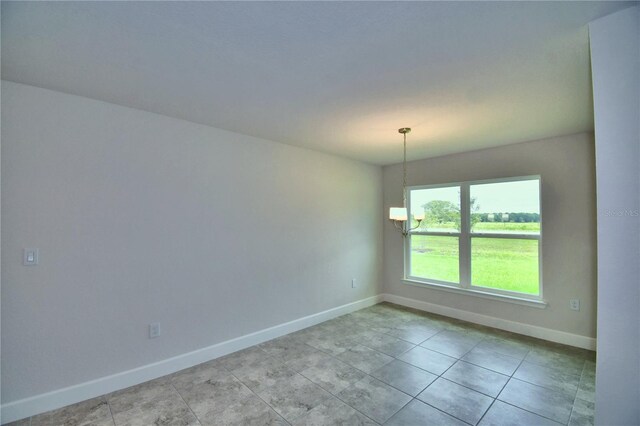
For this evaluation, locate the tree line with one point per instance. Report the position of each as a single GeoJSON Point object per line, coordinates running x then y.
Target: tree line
{"type": "Point", "coordinates": [440, 211]}
{"type": "Point", "coordinates": [518, 217]}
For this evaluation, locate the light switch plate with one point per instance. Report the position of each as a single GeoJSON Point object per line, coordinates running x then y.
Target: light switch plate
{"type": "Point", "coordinates": [30, 257]}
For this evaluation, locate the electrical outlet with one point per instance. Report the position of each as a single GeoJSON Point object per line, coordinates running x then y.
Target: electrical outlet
{"type": "Point", "coordinates": [154, 330]}
{"type": "Point", "coordinates": [574, 304]}
{"type": "Point", "coordinates": [353, 283]}
{"type": "Point", "coordinates": [30, 257]}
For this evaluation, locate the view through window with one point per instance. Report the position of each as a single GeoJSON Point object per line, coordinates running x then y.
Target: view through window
{"type": "Point", "coordinates": [477, 235]}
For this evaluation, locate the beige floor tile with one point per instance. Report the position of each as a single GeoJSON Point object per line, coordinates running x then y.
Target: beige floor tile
{"type": "Point", "coordinates": [375, 399]}
{"type": "Point", "coordinates": [370, 361]}
{"type": "Point", "coordinates": [91, 412]}
{"type": "Point", "coordinates": [458, 401]}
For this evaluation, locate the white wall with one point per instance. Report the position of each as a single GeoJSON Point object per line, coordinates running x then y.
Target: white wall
{"type": "Point", "coordinates": [142, 218]}
{"type": "Point", "coordinates": [566, 165]}
{"type": "Point", "coordinates": [615, 62]}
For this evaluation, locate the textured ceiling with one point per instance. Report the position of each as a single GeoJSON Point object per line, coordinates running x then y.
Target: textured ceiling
{"type": "Point", "coordinates": [339, 77]}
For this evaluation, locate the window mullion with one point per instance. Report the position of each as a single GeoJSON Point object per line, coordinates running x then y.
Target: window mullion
{"type": "Point", "coordinates": [465, 241]}
{"type": "Point", "coordinates": [407, 255]}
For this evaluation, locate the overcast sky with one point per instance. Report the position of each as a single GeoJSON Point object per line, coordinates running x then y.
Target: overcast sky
{"type": "Point", "coordinates": [522, 196]}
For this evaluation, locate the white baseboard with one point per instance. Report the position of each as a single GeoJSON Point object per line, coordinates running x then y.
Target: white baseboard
{"type": "Point", "coordinates": [513, 326]}
{"type": "Point", "coordinates": [27, 407]}
{"type": "Point", "coordinates": [31, 406]}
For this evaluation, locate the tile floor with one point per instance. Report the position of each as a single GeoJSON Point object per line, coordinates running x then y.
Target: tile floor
{"type": "Point", "coordinates": [381, 365]}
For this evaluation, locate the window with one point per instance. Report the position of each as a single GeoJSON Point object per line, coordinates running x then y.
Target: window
{"type": "Point", "coordinates": [481, 236]}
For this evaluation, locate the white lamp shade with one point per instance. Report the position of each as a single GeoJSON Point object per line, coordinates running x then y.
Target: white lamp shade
{"type": "Point", "coordinates": [418, 216]}
{"type": "Point", "coordinates": [398, 213]}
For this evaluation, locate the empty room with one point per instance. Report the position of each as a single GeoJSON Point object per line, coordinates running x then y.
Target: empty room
{"type": "Point", "coordinates": [320, 213]}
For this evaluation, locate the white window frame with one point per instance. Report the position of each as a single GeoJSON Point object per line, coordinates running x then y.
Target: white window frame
{"type": "Point", "coordinates": [464, 249]}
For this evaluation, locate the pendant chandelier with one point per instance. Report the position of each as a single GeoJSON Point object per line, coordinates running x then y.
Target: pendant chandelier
{"type": "Point", "coordinates": [399, 215]}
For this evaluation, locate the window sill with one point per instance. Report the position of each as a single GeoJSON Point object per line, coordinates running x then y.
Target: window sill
{"type": "Point", "coordinates": [540, 304]}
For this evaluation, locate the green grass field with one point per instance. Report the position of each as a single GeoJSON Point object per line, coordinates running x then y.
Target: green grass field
{"type": "Point", "coordinates": [507, 227]}
{"type": "Point", "coordinates": [506, 264]}
{"type": "Point", "coordinates": [498, 227]}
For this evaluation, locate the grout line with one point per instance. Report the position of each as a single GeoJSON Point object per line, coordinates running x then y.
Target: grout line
{"type": "Point", "coordinates": [503, 386]}
{"type": "Point", "coordinates": [185, 401]}
{"type": "Point", "coordinates": [529, 411]}
{"type": "Point", "coordinates": [577, 389]}
{"type": "Point", "coordinates": [488, 409]}
{"type": "Point", "coordinates": [533, 384]}
{"type": "Point", "coordinates": [466, 387]}
{"type": "Point", "coordinates": [400, 390]}
{"type": "Point", "coordinates": [442, 411]}
{"type": "Point", "coordinates": [400, 409]}
{"type": "Point", "coordinates": [358, 327]}
{"type": "Point", "coordinates": [337, 397]}
{"type": "Point", "coordinates": [443, 378]}
{"type": "Point", "coordinates": [113, 419]}
{"type": "Point", "coordinates": [366, 375]}
{"type": "Point", "coordinates": [494, 399]}
{"type": "Point", "coordinates": [539, 385]}
{"type": "Point", "coordinates": [487, 368]}
{"type": "Point", "coordinates": [251, 390]}
{"type": "Point", "coordinates": [258, 396]}
{"type": "Point", "coordinates": [458, 359]}
{"type": "Point", "coordinates": [516, 370]}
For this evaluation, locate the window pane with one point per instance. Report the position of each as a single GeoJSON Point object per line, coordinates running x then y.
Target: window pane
{"type": "Point", "coordinates": [506, 207]}
{"type": "Point", "coordinates": [440, 206]}
{"type": "Point", "coordinates": [505, 264]}
{"type": "Point", "coordinates": [435, 258]}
